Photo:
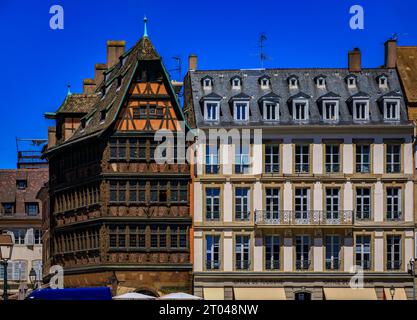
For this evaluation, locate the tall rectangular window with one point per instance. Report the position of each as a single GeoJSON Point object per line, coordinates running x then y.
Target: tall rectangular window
{"type": "Point", "coordinates": [241, 111]}
{"type": "Point", "coordinates": [117, 149]}
{"type": "Point", "coordinates": [360, 110]}
{"type": "Point", "coordinates": [242, 252]}
{"type": "Point", "coordinates": [363, 158]}
{"type": "Point", "coordinates": [213, 204]}
{"type": "Point", "coordinates": [332, 158]}
{"type": "Point", "coordinates": [242, 158]}
{"type": "Point", "coordinates": [272, 252]}
{"type": "Point", "coordinates": [393, 203]}
{"type": "Point", "coordinates": [212, 111]}
{"type": "Point", "coordinates": [332, 252]}
{"type": "Point", "coordinates": [212, 159]}
{"type": "Point", "coordinates": [272, 203]}
{"type": "Point", "coordinates": [300, 110]}
{"type": "Point", "coordinates": [332, 204]}
{"type": "Point", "coordinates": [137, 237]}
{"type": "Point", "coordinates": [302, 158]}
{"type": "Point", "coordinates": [393, 158]}
{"type": "Point", "coordinates": [272, 158]}
{"type": "Point", "coordinates": [330, 110]}
{"type": "Point", "coordinates": [302, 252]}
{"type": "Point", "coordinates": [363, 203]}
{"type": "Point", "coordinates": [394, 260]}
{"type": "Point", "coordinates": [302, 205]}
{"type": "Point", "coordinates": [242, 203]}
{"type": "Point", "coordinates": [392, 110]}
{"type": "Point", "coordinates": [213, 252]}
{"type": "Point", "coordinates": [363, 251]}
{"type": "Point", "coordinates": [270, 111]}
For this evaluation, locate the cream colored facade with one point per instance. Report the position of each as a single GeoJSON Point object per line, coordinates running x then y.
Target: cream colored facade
{"type": "Point", "coordinates": [286, 281]}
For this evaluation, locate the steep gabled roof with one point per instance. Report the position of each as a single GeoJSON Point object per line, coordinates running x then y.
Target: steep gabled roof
{"type": "Point", "coordinates": [407, 68]}
{"type": "Point", "coordinates": [77, 103]}
{"type": "Point", "coordinates": [110, 96]}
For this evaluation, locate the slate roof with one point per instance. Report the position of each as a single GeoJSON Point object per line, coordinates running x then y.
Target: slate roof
{"type": "Point", "coordinates": [114, 96]}
{"type": "Point", "coordinates": [336, 86]}
{"type": "Point", "coordinates": [77, 103]}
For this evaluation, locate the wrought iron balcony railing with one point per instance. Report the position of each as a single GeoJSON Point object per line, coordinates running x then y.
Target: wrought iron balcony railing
{"type": "Point", "coordinates": [332, 264]}
{"type": "Point", "coordinates": [307, 217]}
{"type": "Point", "coordinates": [272, 265]}
{"type": "Point", "coordinates": [212, 264]}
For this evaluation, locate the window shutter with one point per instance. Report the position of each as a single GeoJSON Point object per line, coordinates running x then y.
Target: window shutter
{"type": "Point", "coordinates": [29, 237]}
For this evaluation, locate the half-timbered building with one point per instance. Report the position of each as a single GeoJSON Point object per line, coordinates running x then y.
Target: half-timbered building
{"type": "Point", "coordinates": [118, 217]}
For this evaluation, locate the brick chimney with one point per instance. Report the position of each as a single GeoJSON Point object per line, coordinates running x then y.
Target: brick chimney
{"type": "Point", "coordinates": [98, 73]}
{"type": "Point", "coordinates": [391, 53]}
{"type": "Point", "coordinates": [354, 60]}
{"type": "Point", "coordinates": [89, 86]}
{"type": "Point", "coordinates": [192, 62]}
{"type": "Point", "coordinates": [114, 50]}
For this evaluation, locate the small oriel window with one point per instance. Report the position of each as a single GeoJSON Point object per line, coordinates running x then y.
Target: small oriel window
{"type": "Point", "coordinates": [391, 110]}
{"type": "Point", "coordinates": [331, 110]}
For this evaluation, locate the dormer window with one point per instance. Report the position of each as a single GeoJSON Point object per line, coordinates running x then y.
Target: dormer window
{"type": "Point", "coordinates": [351, 81]}
{"type": "Point", "coordinates": [119, 81]}
{"type": "Point", "coordinates": [331, 110]}
{"type": "Point", "coordinates": [211, 110]}
{"type": "Point", "coordinates": [391, 109]}
{"type": "Point", "coordinates": [207, 82]}
{"type": "Point", "coordinates": [102, 115]}
{"type": "Point", "coordinates": [270, 111]}
{"type": "Point", "coordinates": [293, 82]}
{"type": "Point", "coordinates": [300, 109]}
{"type": "Point", "coordinates": [236, 82]}
{"type": "Point", "coordinates": [241, 111]}
{"type": "Point", "coordinates": [265, 82]}
{"type": "Point", "coordinates": [320, 82]}
{"type": "Point", "coordinates": [361, 110]}
{"type": "Point", "coordinates": [382, 81]}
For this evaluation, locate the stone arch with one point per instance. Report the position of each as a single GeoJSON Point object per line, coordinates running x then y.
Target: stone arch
{"type": "Point", "coordinates": [148, 291]}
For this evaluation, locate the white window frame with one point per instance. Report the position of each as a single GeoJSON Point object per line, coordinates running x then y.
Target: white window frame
{"type": "Point", "coordinates": [349, 84]}
{"type": "Point", "coordinates": [265, 110]}
{"type": "Point", "coordinates": [362, 101]}
{"type": "Point", "coordinates": [209, 85]}
{"type": "Point", "coordinates": [335, 242]}
{"type": "Point", "coordinates": [293, 83]}
{"type": "Point", "coordinates": [206, 114]}
{"type": "Point", "coordinates": [304, 241]}
{"type": "Point", "coordinates": [334, 152]}
{"type": "Point", "coordinates": [266, 85]}
{"type": "Point", "coordinates": [333, 201]}
{"type": "Point", "coordinates": [246, 112]}
{"type": "Point", "coordinates": [238, 85]}
{"type": "Point", "coordinates": [394, 201]}
{"type": "Point", "coordinates": [393, 250]}
{"type": "Point", "coordinates": [364, 249]}
{"type": "Point", "coordinates": [242, 248]}
{"type": "Point", "coordinates": [361, 198]}
{"type": "Point", "coordinates": [321, 83]}
{"type": "Point", "coordinates": [241, 201]}
{"type": "Point", "coordinates": [397, 110]}
{"type": "Point", "coordinates": [336, 107]}
{"type": "Point", "coordinates": [272, 203]}
{"type": "Point", "coordinates": [214, 249]}
{"type": "Point", "coordinates": [383, 85]}
{"type": "Point", "coordinates": [274, 241]}
{"type": "Point", "coordinates": [301, 164]}
{"type": "Point", "coordinates": [306, 113]}
{"type": "Point", "coordinates": [303, 200]}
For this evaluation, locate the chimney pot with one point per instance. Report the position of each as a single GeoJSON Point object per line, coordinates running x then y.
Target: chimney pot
{"type": "Point", "coordinates": [192, 62]}
{"type": "Point", "coordinates": [89, 86]}
{"type": "Point", "coordinates": [354, 60]}
{"type": "Point", "coordinates": [114, 50]}
{"type": "Point", "coordinates": [391, 53]}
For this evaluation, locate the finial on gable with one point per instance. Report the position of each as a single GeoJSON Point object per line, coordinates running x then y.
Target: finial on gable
{"type": "Point", "coordinates": [69, 89]}
{"type": "Point", "coordinates": [145, 28]}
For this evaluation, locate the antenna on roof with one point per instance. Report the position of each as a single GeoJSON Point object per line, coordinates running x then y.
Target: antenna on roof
{"type": "Point", "coordinates": [261, 46]}
{"type": "Point", "coordinates": [145, 28]}
{"type": "Point", "coordinates": [178, 68]}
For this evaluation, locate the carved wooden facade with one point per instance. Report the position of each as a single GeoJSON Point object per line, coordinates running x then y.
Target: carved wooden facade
{"type": "Point", "coordinates": [113, 208]}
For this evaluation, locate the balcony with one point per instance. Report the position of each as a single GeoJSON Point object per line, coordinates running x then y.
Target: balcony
{"type": "Point", "coordinates": [302, 264]}
{"type": "Point", "coordinates": [266, 218]}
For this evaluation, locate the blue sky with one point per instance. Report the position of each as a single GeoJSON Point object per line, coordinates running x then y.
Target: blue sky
{"type": "Point", "coordinates": [38, 62]}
